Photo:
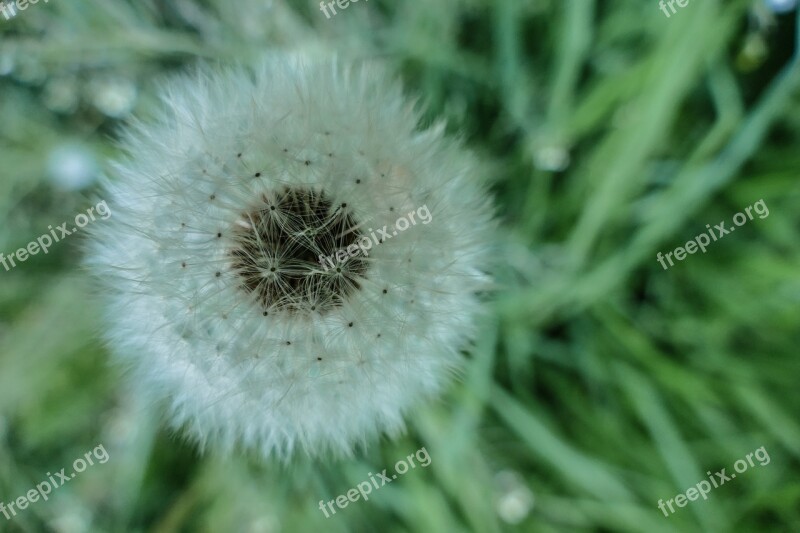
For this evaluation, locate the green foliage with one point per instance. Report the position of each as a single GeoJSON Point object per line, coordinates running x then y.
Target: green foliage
{"type": "Point", "coordinates": [601, 382]}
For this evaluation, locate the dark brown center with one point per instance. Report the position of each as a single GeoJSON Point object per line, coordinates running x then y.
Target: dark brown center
{"type": "Point", "coordinates": [286, 252]}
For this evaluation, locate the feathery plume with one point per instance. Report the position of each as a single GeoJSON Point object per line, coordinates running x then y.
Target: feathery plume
{"type": "Point", "coordinates": [292, 263]}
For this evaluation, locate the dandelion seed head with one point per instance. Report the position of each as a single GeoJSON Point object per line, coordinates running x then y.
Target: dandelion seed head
{"type": "Point", "coordinates": [218, 301]}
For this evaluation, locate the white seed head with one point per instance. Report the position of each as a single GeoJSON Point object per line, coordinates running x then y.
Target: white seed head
{"type": "Point", "coordinates": [217, 298]}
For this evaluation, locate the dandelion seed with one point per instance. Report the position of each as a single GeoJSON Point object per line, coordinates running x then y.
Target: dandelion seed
{"type": "Point", "coordinates": [333, 385]}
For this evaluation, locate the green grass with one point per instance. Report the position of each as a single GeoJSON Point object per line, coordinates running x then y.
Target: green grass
{"type": "Point", "coordinates": [601, 380]}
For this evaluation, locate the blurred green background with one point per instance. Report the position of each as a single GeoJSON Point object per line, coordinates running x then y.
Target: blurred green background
{"type": "Point", "coordinates": [601, 382]}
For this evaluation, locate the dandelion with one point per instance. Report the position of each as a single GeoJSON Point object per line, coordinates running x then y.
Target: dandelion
{"type": "Point", "coordinates": [217, 302]}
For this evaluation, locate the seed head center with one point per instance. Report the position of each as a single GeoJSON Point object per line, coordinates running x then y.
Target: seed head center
{"type": "Point", "coordinates": [285, 252]}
